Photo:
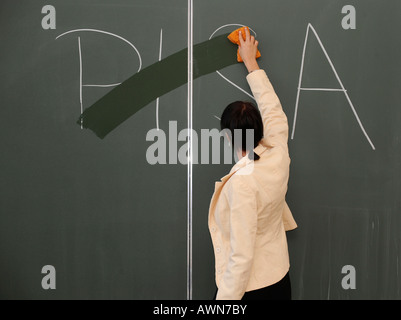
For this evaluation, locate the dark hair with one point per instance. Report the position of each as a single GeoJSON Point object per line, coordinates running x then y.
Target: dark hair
{"type": "Point", "coordinates": [243, 115]}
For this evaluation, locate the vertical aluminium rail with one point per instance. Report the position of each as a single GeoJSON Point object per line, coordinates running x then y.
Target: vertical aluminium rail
{"type": "Point", "coordinates": [189, 167]}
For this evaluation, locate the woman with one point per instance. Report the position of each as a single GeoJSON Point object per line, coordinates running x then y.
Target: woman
{"type": "Point", "coordinates": [248, 215]}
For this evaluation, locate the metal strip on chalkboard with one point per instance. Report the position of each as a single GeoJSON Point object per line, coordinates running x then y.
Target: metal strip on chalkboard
{"type": "Point", "coordinates": [189, 171]}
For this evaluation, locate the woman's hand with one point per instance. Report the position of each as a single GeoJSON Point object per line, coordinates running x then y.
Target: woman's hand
{"type": "Point", "coordinates": [248, 49]}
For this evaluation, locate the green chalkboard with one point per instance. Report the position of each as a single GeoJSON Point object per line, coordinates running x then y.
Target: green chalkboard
{"type": "Point", "coordinates": [79, 193]}
{"type": "Point", "coordinates": [343, 193]}
{"type": "Point", "coordinates": [112, 225]}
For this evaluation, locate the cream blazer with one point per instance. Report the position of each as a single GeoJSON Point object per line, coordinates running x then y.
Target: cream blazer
{"type": "Point", "coordinates": [248, 214]}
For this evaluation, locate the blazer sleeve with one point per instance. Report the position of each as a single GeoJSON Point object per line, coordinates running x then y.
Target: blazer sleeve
{"type": "Point", "coordinates": [275, 122]}
{"type": "Point", "coordinates": [243, 227]}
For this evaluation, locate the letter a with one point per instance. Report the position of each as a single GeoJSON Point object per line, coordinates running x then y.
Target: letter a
{"type": "Point", "coordinates": [49, 281]}
{"type": "Point", "coordinates": [159, 146]}
{"type": "Point", "coordinates": [341, 89]}
{"type": "Point", "coordinates": [349, 21]}
{"type": "Point", "coordinates": [49, 20]}
{"type": "Point", "coordinates": [348, 282]}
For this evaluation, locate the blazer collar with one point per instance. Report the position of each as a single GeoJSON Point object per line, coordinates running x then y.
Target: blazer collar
{"type": "Point", "coordinates": [219, 184]}
{"type": "Point", "coordinates": [260, 148]}
{"type": "Point", "coordinates": [244, 162]}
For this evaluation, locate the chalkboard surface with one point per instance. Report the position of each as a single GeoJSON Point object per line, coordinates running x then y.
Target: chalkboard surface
{"type": "Point", "coordinates": [114, 226]}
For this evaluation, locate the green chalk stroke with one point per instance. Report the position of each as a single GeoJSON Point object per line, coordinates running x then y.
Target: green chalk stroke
{"type": "Point", "coordinates": [136, 92]}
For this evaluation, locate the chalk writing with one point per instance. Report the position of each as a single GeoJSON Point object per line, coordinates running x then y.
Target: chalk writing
{"type": "Point", "coordinates": [342, 89]}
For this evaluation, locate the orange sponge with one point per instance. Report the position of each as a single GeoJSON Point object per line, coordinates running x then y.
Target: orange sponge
{"type": "Point", "coordinates": [234, 38]}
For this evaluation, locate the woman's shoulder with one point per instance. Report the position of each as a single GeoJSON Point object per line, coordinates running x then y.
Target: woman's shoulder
{"type": "Point", "coordinates": [243, 178]}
